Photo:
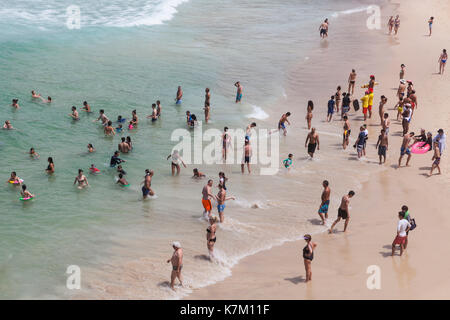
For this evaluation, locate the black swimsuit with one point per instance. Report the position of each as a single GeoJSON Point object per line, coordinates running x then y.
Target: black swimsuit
{"type": "Point", "coordinates": [209, 231]}
{"type": "Point", "coordinates": [307, 254]}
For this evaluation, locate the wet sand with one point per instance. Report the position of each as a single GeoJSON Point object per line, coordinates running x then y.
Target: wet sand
{"type": "Point", "coordinates": [341, 260]}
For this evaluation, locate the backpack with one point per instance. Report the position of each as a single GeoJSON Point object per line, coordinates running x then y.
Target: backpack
{"type": "Point", "coordinates": [356, 104]}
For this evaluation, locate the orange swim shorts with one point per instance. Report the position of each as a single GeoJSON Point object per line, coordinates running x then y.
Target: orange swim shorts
{"type": "Point", "coordinates": [365, 110]}
{"type": "Point", "coordinates": [207, 204]}
{"type": "Point", "coordinates": [370, 108]}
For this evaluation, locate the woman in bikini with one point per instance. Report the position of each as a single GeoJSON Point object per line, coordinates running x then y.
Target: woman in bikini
{"type": "Point", "coordinates": [337, 96]}
{"type": "Point", "coordinates": [176, 160]}
{"type": "Point", "coordinates": [81, 180]}
{"type": "Point", "coordinates": [396, 24]}
{"type": "Point", "coordinates": [51, 166]}
{"type": "Point", "coordinates": [442, 61]}
{"type": "Point", "coordinates": [391, 24]}
{"type": "Point", "coordinates": [308, 256]}
{"type": "Point", "coordinates": [225, 143]}
{"type": "Point", "coordinates": [211, 235]}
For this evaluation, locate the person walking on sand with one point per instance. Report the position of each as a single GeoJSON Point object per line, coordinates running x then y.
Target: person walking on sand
{"type": "Point", "coordinates": [403, 227]}
{"type": "Point", "coordinates": [211, 236]}
{"type": "Point", "coordinates": [177, 264]}
{"type": "Point", "coordinates": [391, 24]}
{"type": "Point", "coordinates": [323, 209]}
{"type": "Point", "coordinates": [238, 91]}
{"type": "Point", "coordinates": [309, 114]}
{"type": "Point", "coordinates": [351, 81]}
{"type": "Point", "coordinates": [442, 61]}
{"type": "Point", "coordinates": [179, 97]}
{"type": "Point", "coordinates": [402, 71]}
{"type": "Point", "coordinates": [345, 104]}
{"type": "Point", "coordinates": [382, 145]}
{"type": "Point", "coordinates": [386, 123]}
{"type": "Point", "coordinates": [442, 139]}
{"type": "Point", "coordinates": [360, 142]}
{"type": "Point", "coordinates": [436, 158]}
{"type": "Point", "coordinates": [206, 199]}
{"type": "Point", "coordinates": [312, 141]}
{"type": "Point", "coordinates": [383, 101]}
{"type": "Point", "coordinates": [406, 144]}
{"type": "Point", "coordinates": [247, 157]}
{"type": "Point", "coordinates": [430, 24]}
{"type": "Point", "coordinates": [338, 96]}
{"type": "Point", "coordinates": [396, 24]}
{"type": "Point", "coordinates": [343, 211]}
{"type": "Point", "coordinates": [330, 112]}
{"type": "Point", "coordinates": [308, 256]}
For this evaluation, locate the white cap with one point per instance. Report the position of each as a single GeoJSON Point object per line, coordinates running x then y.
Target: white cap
{"type": "Point", "coordinates": [176, 244]}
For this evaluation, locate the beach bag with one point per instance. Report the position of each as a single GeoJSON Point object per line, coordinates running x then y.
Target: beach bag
{"type": "Point", "coordinates": [413, 224]}
{"type": "Point", "coordinates": [356, 104]}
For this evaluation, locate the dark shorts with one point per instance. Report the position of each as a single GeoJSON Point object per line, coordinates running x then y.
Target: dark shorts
{"type": "Point", "coordinates": [437, 161]}
{"type": "Point", "coordinates": [324, 208]}
{"type": "Point", "coordinates": [342, 214]}
{"type": "Point", "coordinates": [323, 31]}
{"type": "Point", "coordinates": [145, 191]}
{"type": "Point", "coordinates": [405, 150]}
{"type": "Point", "coordinates": [312, 147]}
{"type": "Point", "coordinates": [382, 151]}
{"type": "Point", "coordinates": [175, 268]}
{"type": "Point", "coordinates": [247, 160]}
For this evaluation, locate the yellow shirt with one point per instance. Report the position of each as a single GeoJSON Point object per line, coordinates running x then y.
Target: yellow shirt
{"type": "Point", "coordinates": [365, 101]}
{"type": "Point", "coordinates": [371, 99]}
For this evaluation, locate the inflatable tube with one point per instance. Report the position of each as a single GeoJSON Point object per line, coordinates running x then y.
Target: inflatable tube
{"type": "Point", "coordinates": [418, 148]}
{"type": "Point", "coordinates": [94, 170]}
{"type": "Point", "coordinates": [125, 185]}
{"type": "Point", "coordinates": [26, 199]}
{"type": "Point", "coordinates": [16, 182]}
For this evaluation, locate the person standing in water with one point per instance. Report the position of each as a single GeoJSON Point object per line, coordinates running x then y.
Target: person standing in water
{"type": "Point", "coordinates": [313, 139]}
{"type": "Point", "coordinates": [343, 211]}
{"type": "Point", "coordinates": [115, 160]}
{"type": "Point", "coordinates": [35, 95]}
{"type": "Point", "coordinates": [391, 24]}
{"type": "Point", "coordinates": [51, 166]}
{"type": "Point", "coordinates": [158, 108]}
{"type": "Point", "coordinates": [308, 256]}
{"type": "Point", "coordinates": [33, 154]}
{"type": "Point", "coordinates": [238, 91]}
{"type": "Point", "coordinates": [25, 193]}
{"type": "Point", "coordinates": [323, 29]}
{"type": "Point", "coordinates": [226, 140]}
{"type": "Point", "coordinates": [15, 103]}
{"type": "Point", "coordinates": [211, 236]}
{"type": "Point", "coordinates": [123, 146]}
{"type": "Point", "coordinates": [177, 264]}
{"type": "Point", "coordinates": [221, 198]}
{"type": "Point", "coordinates": [86, 107]}
{"type": "Point", "coordinates": [281, 123]}
{"type": "Point", "coordinates": [81, 180]}
{"type": "Point", "coordinates": [207, 96]}
{"type": "Point", "coordinates": [147, 187]}
{"type": "Point", "coordinates": [102, 116]}
{"type": "Point", "coordinates": [179, 97]}
{"type": "Point", "coordinates": [122, 181]}
{"type": "Point", "coordinates": [309, 114]}
{"type": "Point", "coordinates": [442, 61]}
{"type": "Point", "coordinates": [206, 202]}
{"type": "Point", "coordinates": [247, 156]}
{"type": "Point", "coordinates": [206, 109]}
{"type": "Point", "coordinates": [346, 135]}
{"type": "Point", "coordinates": [176, 160]}
{"type": "Point", "coordinates": [323, 208]}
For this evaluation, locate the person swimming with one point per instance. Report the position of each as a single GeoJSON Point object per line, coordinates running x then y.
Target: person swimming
{"type": "Point", "coordinates": [8, 125]}
{"type": "Point", "coordinates": [90, 148]}
{"type": "Point", "coordinates": [33, 153]}
{"type": "Point", "coordinates": [122, 181]}
{"type": "Point", "coordinates": [93, 169]}
{"type": "Point", "coordinates": [14, 179]}
{"type": "Point", "coordinates": [26, 195]}
{"type": "Point", "coordinates": [197, 174]}
{"type": "Point", "coordinates": [86, 107]}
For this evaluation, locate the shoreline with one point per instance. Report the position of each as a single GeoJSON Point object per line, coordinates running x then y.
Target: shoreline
{"type": "Point", "coordinates": [341, 260]}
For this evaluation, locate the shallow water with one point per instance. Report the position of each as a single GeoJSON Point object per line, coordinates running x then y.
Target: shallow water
{"type": "Point", "coordinates": [125, 57]}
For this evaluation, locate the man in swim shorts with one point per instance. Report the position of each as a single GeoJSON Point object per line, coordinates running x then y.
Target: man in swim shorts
{"type": "Point", "coordinates": [343, 211]}
{"type": "Point", "coordinates": [313, 139]}
{"type": "Point", "coordinates": [351, 81]}
{"type": "Point", "coordinates": [382, 145]}
{"type": "Point", "coordinates": [179, 95]}
{"type": "Point", "coordinates": [406, 144]}
{"type": "Point", "coordinates": [206, 202]}
{"type": "Point", "coordinates": [281, 123]}
{"type": "Point", "coordinates": [247, 156]}
{"type": "Point", "coordinates": [330, 108]}
{"type": "Point", "coordinates": [239, 91]}
{"type": "Point", "coordinates": [146, 188]}
{"type": "Point", "coordinates": [323, 209]}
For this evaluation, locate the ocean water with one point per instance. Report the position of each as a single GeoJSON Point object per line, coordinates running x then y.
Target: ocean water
{"type": "Point", "coordinates": [125, 56]}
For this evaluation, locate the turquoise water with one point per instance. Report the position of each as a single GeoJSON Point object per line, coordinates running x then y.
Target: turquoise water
{"type": "Point", "coordinates": [126, 56]}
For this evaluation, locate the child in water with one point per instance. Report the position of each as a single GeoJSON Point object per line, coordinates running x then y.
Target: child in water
{"type": "Point", "coordinates": [288, 162]}
{"type": "Point", "coordinates": [122, 181]}
{"type": "Point", "coordinates": [93, 169]}
{"type": "Point", "coordinates": [25, 193]}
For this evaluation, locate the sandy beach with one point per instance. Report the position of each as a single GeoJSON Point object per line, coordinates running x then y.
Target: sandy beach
{"type": "Point", "coordinates": [341, 260]}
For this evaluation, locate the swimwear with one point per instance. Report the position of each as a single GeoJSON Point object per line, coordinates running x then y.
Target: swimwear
{"type": "Point", "coordinates": [324, 208]}
{"type": "Point", "coordinates": [238, 97]}
{"type": "Point", "coordinates": [281, 125]}
{"type": "Point", "coordinates": [323, 31]}
{"type": "Point", "coordinates": [312, 147]}
{"type": "Point", "coordinates": [145, 191]}
{"type": "Point", "coordinates": [444, 60]}
{"type": "Point", "coordinates": [178, 101]}
{"type": "Point", "coordinates": [399, 240]}
{"type": "Point", "coordinates": [307, 254]}
{"type": "Point", "coordinates": [403, 151]}
{"type": "Point", "coordinates": [287, 162]}
{"type": "Point", "coordinates": [247, 159]}
{"type": "Point", "coordinates": [437, 161]}
{"type": "Point", "coordinates": [221, 207]}
{"type": "Point", "coordinates": [382, 151]}
{"type": "Point", "coordinates": [206, 204]}
{"type": "Point", "coordinates": [175, 268]}
{"type": "Point", "coordinates": [342, 214]}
